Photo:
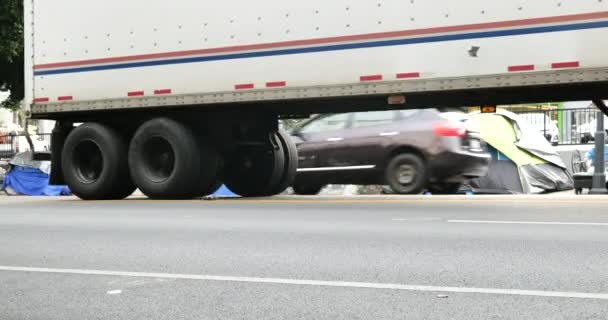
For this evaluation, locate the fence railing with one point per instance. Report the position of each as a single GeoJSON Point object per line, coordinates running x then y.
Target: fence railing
{"type": "Point", "coordinates": [14, 143]}
{"type": "Point", "coordinates": [563, 126]}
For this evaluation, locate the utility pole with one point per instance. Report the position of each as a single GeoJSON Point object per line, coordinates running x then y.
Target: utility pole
{"type": "Point", "coordinates": [599, 175]}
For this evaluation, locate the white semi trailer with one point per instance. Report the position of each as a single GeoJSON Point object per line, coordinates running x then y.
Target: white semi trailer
{"type": "Point", "coordinates": [177, 97]}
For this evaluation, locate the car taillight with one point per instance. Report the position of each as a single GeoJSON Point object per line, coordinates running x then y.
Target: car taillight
{"type": "Point", "coordinates": [449, 129]}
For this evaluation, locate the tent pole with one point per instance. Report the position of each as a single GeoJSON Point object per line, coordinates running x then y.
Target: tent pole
{"type": "Point", "coordinates": [599, 176]}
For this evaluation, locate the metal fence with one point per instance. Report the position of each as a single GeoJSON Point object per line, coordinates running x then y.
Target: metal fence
{"type": "Point", "coordinates": [14, 143]}
{"type": "Point", "coordinates": [563, 126]}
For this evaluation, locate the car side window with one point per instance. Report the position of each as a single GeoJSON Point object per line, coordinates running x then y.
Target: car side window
{"type": "Point", "coordinates": [329, 123]}
{"type": "Point", "coordinates": [373, 118]}
{"type": "Point", "coordinates": [407, 113]}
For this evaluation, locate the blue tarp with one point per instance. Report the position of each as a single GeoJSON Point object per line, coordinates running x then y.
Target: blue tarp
{"type": "Point", "coordinates": [32, 182]}
{"type": "Point", "coordinates": [223, 191]}
{"type": "Point", "coordinates": [591, 153]}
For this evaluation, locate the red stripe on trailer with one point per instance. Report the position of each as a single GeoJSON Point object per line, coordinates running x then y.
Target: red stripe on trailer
{"type": "Point", "coordinates": [135, 94]}
{"type": "Point", "coordinates": [276, 84]}
{"type": "Point", "coordinates": [374, 77]}
{"type": "Point", "coordinates": [568, 64]}
{"type": "Point", "coordinates": [162, 91]}
{"type": "Point", "coordinates": [244, 86]}
{"type": "Point", "coordinates": [526, 67]}
{"type": "Point", "coordinates": [408, 75]}
{"type": "Point", "coordinates": [41, 99]}
{"type": "Point", "coordinates": [65, 98]}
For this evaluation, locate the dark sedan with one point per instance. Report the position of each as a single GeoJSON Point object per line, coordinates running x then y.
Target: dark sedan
{"type": "Point", "coordinates": [408, 150]}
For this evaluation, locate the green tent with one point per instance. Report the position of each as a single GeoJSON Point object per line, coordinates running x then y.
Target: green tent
{"type": "Point", "coordinates": [522, 160]}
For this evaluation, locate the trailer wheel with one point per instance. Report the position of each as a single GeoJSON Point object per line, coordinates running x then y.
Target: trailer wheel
{"type": "Point", "coordinates": [290, 152]}
{"type": "Point", "coordinates": [95, 164]}
{"type": "Point", "coordinates": [212, 188]}
{"type": "Point", "coordinates": [255, 170]}
{"type": "Point", "coordinates": [209, 180]}
{"type": "Point", "coordinates": [166, 162]}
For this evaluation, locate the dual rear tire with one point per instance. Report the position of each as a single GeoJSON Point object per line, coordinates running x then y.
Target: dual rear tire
{"type": "Point", "coordinates": [167, 160]}
{"type": "Point", "coordinates": [95, 164]}
{"type": "Point", "coordinates": [263, 171]}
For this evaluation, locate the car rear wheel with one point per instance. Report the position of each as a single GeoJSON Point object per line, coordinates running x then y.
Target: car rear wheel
{"type": "Point", "coordinates": [94, 163]}
{"type": "Point", "coordinates": [406, 174]}
{"type": "Point", "coordinates": [307, 189]}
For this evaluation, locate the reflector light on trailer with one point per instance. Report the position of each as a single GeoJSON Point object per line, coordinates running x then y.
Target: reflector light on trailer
{"type": "Point", "coordinates": [374, 77]}
{"type": "Point", "coordinates": [397, 99]}
{"type": "Point", "coordinates": [449, 129]}
{"type": "Point", "coordinates": [563, 65]}
{"type": "Point", "coordinates": [488, 109]}
{"type": "Point", "coordinates": [276, 84]}
{"type": "Point", "coordinates": [408, 75]}
{"type": "Point", "coordinates": [527, 67]}
{"type": "Point", "coordinates": [244, 86]}
{"type": "Point", "coordinates": [162, 91]}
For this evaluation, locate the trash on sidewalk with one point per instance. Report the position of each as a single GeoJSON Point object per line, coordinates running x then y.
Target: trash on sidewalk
{"type": "Point", "coordinates": [28, 177]}
{"type": "Point", "coordinates": [584, 180]}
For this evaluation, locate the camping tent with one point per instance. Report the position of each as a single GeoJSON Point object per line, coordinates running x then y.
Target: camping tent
{"type": "Point", "coordinates": [522, 159]}
{"type": "Point", "coordinates": [28, 177]}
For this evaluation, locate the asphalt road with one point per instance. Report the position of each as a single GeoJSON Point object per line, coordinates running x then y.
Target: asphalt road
{"type": "Point", "coordinates": [305, 258]}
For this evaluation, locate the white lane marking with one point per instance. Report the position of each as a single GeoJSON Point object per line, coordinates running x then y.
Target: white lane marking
{"type": "Point", "coordinates": [342, 284]}
{"type": "Point", "coordinates": [417, 219]}
{"type": "Point", "coordinates": [600, 224]}
{"type": "Point", "coordinates": [112, 292]}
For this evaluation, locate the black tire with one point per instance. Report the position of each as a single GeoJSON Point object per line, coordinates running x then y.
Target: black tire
{"type": "Point", "coordinates": [445, 188]}
{"type": "Point", "coordinates": [211, 189]}
{"type": "Point", "coordinates": [406, 174]}
{"type": "Point", "coordinates": [166, 162]}
{"type": "Point", "coordinates": [304, 189]}
{"type": "Point", "coordinates": [290, 169]}
{"type": "Point", "coordinates": [94, 162]}
{"type": "Point", "coordinates": [209, 180]}
{"type": "Point", "coordinates": [254, 171]}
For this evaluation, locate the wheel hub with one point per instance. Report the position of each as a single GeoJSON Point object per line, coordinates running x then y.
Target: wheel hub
{"type": "Point", "coordinates": [88, 161]}
{"type": "Point", "coordinates": [159, 159]}
{"type": "Point", "coordinates": [406, 174]}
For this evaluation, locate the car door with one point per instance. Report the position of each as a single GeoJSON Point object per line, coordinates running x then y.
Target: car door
{"type": "Point", "coordinates": [319, 138]}
{"type": "Point", "coordinates": [367, 137]}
